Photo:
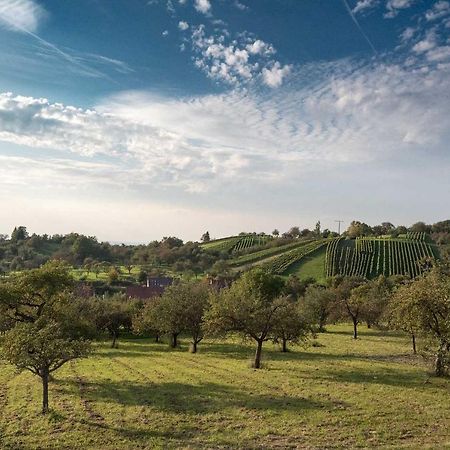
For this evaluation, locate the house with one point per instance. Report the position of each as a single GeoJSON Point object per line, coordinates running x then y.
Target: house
{"type": "Point", "coordinates": [159, 281]}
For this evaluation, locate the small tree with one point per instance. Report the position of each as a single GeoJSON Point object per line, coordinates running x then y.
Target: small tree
{"type": "Point", "coordinates": [114, 314]}
{"type": "Point", "coordinates": [291, 325]}
{"type": "Point", "coordinates": [251, 307]}
{"type": "Point", "coordinates": [147, 320]}
{"type": "Point", "coordinates": [41, 350]}
{"type": "Point", "coordinates": [350, 300]}
{"type": "Point", "coordinates": [275, 233]}
{"type": "Point", "coordinates": [206, 237]}
{"type": "Point", "coordinates": [318, 303]}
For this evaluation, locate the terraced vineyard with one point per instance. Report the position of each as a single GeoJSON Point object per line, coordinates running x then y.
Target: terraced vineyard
{"type": "Point", "coordinates": [282, 263]}
{"type": "Point", "coordinates": [260, 255]}
{"type": "Point", "coordinates": [236, 244]}
{"type": "Point", "coordinates": [370, 257]}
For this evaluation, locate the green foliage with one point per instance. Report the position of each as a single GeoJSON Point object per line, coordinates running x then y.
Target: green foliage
{"type": "Point", "coordinates": [423, 305]}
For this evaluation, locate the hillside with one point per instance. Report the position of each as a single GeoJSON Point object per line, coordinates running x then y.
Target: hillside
{"type": "Point", "coordinates": [367, 257]}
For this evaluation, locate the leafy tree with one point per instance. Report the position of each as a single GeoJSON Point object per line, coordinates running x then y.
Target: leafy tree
{"type": "Point", "coordinates": [41, 349]}
{"type": "Point", "coordinates": [251, 306]}
{"type": "Point", "coordinates": [350, 300]}
{"type": "Point", "coordinates": [318, 303]}
{"type": "Point", "coordinates": [114, 314]}
{"type": "Point", "coordinates": [44, 327]}
{"type": "Point", "coordinates": [275, 232]}
{"type": "Point", "coordinates": [425, 303]}
{"type": "Point", "coordinates": [291, 325]}
{"type": "Point", "coordinates": [357, 229]}
{"type": "Point", "coordinates": [19, 234]}
{"type": "Point", "coordinates": [147, 320]}
{"type": "Point", "coordinates": [317, 230]}
{"type": "Point", "coordinates": [113, 275]}
{"type": "Point", "coordinates": [205, 237]}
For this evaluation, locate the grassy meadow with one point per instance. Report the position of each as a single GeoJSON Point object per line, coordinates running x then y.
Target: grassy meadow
{"type": "Point", "coordinates": [339, 393]}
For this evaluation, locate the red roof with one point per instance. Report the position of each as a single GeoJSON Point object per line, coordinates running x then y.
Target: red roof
{"type": "Point", "coordinates": [144, 292]}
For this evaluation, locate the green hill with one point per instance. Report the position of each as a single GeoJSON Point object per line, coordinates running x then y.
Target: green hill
{"type": "Point", "coordinates": [321, 258]}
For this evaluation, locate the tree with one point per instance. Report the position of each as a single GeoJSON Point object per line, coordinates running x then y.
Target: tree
{"type": "Point", "coordinates": [317, 304]}
{"type": "Point", "coordinates": [291, 325]}
{"type": "Point", "coordinates": [193, 297]}
{"type": "Point", "coordinates": [114, 314]}
{"type": "Point", "coordinates": [317, 229]}
{"type": "Point", "coordinates": [275, 233]}
{"type": "Point", "coordinates": [426, 304]}
{"type": "Point", "coordinates": [205, 237]}
{"type": "Point", "coordinates": [357, 229]}
{"type": "Point", "coordinates": [251, 306]}
{"type": "Point", "coordinates": [41, 350]}
{"type": "Point", "coordinates": [350, 301]}
{"type": "Point", "coordinates": [113, 275]}
{"type": "Point", "coordinates": [147, 320]}
{"type": "Point", "coordinates": [45, 329]}
{"type": "Point", "coordinates": [19, 234]}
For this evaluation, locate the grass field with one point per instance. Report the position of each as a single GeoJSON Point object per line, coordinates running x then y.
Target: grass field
{"type": "Point", "coordinates": [311, 266]}
{"type": "Point", "coordinates": [341, 394]}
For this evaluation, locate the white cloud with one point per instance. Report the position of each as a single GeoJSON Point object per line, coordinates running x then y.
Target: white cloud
{"type": "Point", "coordinates": [274, 76]}
{"type": "Point", "coordinates": [394, 6]}
{"type": "Point", "coordinates": [182, 25]}
{"type": "Point", "coordinates": [363, 5]}
{"type": "Point", "coordinates": [440, 9]}
{"type": "Point", "coordinates": [237, 61]}
{"type": "Point", "coordinates": [203, 6]}
{"type": "Point", "coordinates": [21, 15]}
{"type": "Point", "coordinates": [259, 47]}
{"type": "Point", "coordinates": [368, 115]}
{"type": "Point", "coordinates": [428, 43]}
{"type": "Point", "coordinates": [165, 33]}
{"type": "Point", "coordinates": [407, 34]}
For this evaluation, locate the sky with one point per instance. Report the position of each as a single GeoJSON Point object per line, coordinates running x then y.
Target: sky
{"type": "Point", "coordinates": [132, 120]}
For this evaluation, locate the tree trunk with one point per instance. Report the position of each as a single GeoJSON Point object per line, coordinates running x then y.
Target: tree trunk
{"type": "Point", "coordinates": [413, 336]}
{"type": "Point", "coordinates": [157, 338]}
{"type": "Point", "coordinates": [194, 347]}
{"type": "Point", "coordinates": [257, 362]}
{"type": "Point", "coordinates": [284, 345]}
{"type": "Point", "coordinates": [355, 328]}
{"type": "Point", "coordinates": [45, 375]}
{"type": "Point", "coordinates": [369, 325]}
{"type": "Point", "coordinates": [174, 341]}
{"type": "Point", "coordinates": [113, 344]}
{"type": "Point", "coordinates": [440, 361]}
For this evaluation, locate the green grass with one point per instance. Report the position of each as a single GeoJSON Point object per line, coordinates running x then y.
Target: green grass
{"type": "Point", "coordinates": [311, 266]}
{"type": "Point", "coordinates": [344, 394]}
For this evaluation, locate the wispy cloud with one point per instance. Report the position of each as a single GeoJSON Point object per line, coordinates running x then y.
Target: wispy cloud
{"type": "Point", "coordinates": [21, 15]}
{"type": "Point", "coordinates": [393, 7]}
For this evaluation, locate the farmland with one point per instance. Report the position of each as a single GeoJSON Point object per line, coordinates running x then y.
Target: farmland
{"type": "Point", "coordinates": [339, 393]}
{"type": "Point", "coordinates": [370, 257]}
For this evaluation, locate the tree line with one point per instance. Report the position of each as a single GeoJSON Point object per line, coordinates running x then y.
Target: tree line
{"type": "Point", "coordinates": [44, 325]}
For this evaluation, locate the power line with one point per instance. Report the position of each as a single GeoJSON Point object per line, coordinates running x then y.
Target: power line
{"type": "Point", "coordinates": [339, 228]}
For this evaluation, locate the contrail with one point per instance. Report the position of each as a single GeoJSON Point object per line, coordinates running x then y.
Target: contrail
{"type": "Point", "coordinates": [359, 26]}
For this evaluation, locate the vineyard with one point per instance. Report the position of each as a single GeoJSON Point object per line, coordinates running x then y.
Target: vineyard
{"type": "Point", "coordinates": [282, 263]}
{"type": "Point", "coordinates": [260, 255]}
{"type": "Point", "coordinates": [235, 244]}
{"type": "Point", "coordinates": [370, 257]}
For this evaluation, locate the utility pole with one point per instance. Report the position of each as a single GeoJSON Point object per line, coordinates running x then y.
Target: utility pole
{"type": "Point", "coordinates": [339, 227]}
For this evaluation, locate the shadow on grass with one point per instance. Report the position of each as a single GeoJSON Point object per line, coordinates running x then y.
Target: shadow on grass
{"type": "Point", "coordinates": [190, 399]}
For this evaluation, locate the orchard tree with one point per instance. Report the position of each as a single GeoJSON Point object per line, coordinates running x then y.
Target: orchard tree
{"type": "Point", "coordinates": [146, 321]}
{"type": "Point", "coordinates": [350, 300]}
{"type": "Point", "coordinates": [193, 297]}
{"type": "Point", "coordinates": [251, 306]}
{"type": "Point", "coordinates": [425, 303]}
{"type": "Point", "coordinates": [318, 303]}
{"type": "Point", "coordinates": [41, 349]}
{"type": "Point", "coordinates": [114, 315]}
{"type": "Point", "coordinates": [291, 325]}
{"type": "Point", "coordinates": [45, 327]}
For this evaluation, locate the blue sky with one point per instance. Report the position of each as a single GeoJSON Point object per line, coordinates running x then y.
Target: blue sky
{"type": "Point", "coordinates": [131, 120]}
